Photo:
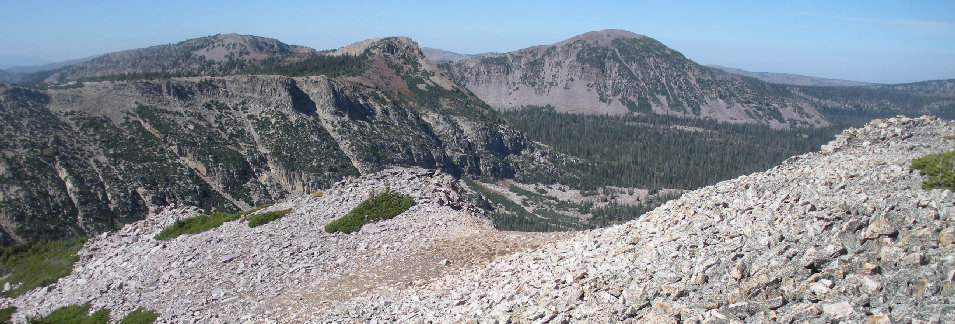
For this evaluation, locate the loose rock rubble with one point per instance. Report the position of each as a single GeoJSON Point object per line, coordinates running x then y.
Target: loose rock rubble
{"type": "Point", "coordinates": [233, 270]}
{"type": "Point", "coordinates": [846, 234]}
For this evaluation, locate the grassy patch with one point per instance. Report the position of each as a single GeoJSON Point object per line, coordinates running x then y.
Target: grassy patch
{"type": "Point", "coordinates": [264, 218]}
{"type": "Point", "coordinates": [76, 314]}
{"type": "Point", "coordinates": [140, 316]}
{"type": "Point", "coordinates": [6, 314]}
{"type": "Point", "coordinates": [939, 167]}
{"type": "Point", "coordinates": [385, 205]}
{"type": "Point", "coordinates": [197, 224]}
{"type": "Point", "coordinates": [80, 314]}
{"type": "Point", "coordinates": [202, 223]}
{"type": "Point", "coordinates": [38, 264]}
{"type": "Point", "coordinates": [317, 194]}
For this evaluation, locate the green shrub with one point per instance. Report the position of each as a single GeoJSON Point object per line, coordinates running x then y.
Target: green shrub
{"type": "Point", "coordinates": [76, 314]}
{"type": "Point", "coordinates": [37, 264]}
{"type": "Point", "coordinates": [202, 223]}
{"type": "Point", "coordinates": [80, 314]}
{"type": "Point", "coordinates": [941, 169]}
{"type": "Point", "coordinates": [385, 205]}
{"type": "Point", "coordinates": [7, 313]}
{"type": "Point", "coordinates": [140, 316]}
{"type": "Point", "coordinates": [197, 224]}
{"type": "Point", "coordinates": [263, 218]}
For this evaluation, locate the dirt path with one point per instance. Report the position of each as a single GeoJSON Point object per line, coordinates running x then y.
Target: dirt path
{"type": "Point", "coordinates": [475, 249]}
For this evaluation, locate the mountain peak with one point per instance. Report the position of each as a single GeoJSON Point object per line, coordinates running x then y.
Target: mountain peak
{"type": "Point", "coordinates": [219, 54]}
{"type": "Point", "coordinates": [222, 47]}
{"type": "Point", "coordinates": [619, 72]}
{"type": "Point", "coordinates": [603, 37]}
{"type": "Point", "coordinates": [394, 58]}
{"type": "Point", "coordinates": [231, 35]}
{"type": "Point", "coordinates": [395, 45]}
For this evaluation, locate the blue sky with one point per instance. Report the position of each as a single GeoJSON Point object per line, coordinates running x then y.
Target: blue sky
{"type": "Point", "coordinates": [875, 41]}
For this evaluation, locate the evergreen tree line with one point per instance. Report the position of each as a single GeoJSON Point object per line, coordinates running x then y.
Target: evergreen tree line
{"type": "Point", "coordinates": [315, 64]}
{"type": "Point", "coordinates": [655, 152]}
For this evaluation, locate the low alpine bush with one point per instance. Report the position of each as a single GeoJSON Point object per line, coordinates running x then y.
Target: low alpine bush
{"type": "Point", "coordinates": [939, 167]}
{"type": "Point", "coordinates": [385, 205]}
{"type": "Point", "coordinates": [266, 217]}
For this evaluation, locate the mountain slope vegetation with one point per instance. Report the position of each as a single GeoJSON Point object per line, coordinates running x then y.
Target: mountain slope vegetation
{"type": "Point", "coordinates": [658, 152]}
{"type": "Point", "coordinates": [213, 55]}
{"type": "Point", "coordinates": [84, 156]}
{"type": "Point", "coordinates": [233, 121]}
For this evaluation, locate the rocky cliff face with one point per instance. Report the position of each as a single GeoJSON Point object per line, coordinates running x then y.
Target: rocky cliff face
{"type": "Point", "coordinates": [845, 234]}
{"type": "Point", "coordinates": [618, 72]}
{"type": "Point", "coordinates": [86, 159]}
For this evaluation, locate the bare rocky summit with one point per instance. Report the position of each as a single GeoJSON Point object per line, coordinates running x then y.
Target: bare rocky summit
{"type": "Point", "coordinates": [845, 234]}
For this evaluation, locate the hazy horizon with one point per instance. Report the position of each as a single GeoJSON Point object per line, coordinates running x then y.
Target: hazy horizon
{"type": "Point", "coordinates": [880, 41]}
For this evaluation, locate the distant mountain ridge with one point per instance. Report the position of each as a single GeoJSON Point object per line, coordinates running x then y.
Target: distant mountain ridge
{"type": "Point", "coordinates": [9, 77]}
{"type": "Point", "coordinates": [938, 88]}
{"type": "Point", "coordinates": [854, 102]}
{"type": "Point", "coordinates": [8, 61]}
{"type": "Point", "coordinates": [619, 72]}
{"type": "Point", "coordinates": [86, 157]}
{"type": "Point", "coordinates": [222, 54]}
{"type": "Point", "coordinates": [439, 55]}
{"type": "Point", "coordinates": [787, 78]}
{"type": "Point", "coordinates": [17, 73]}
{"type": "Point", "coordinates": [48, 66]}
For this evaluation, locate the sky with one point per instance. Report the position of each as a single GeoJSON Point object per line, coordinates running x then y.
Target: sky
{"type": "Point", "coordinates": [871, 41]}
